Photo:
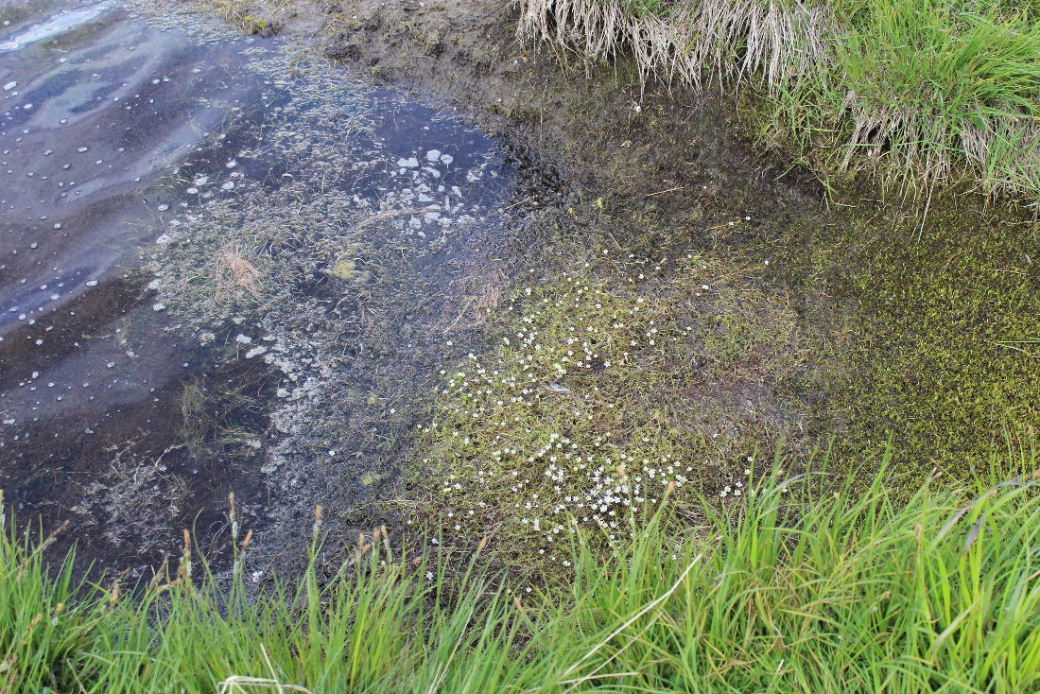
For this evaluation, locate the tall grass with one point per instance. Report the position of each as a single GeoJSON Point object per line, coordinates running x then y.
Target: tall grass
{"type": "Point", "coordinates": [924, 89]}
{"type": "Point", "coordinates": [917, 92]}
{"type": "Point", "coordinates": [795, 590]}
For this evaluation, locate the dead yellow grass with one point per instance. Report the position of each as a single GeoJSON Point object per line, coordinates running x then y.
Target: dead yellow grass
{"type": "Point", "coordinates": [235, 276]}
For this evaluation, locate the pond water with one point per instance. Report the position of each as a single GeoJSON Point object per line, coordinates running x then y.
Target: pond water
{"type": "Point", "coordinates": [198, 232]}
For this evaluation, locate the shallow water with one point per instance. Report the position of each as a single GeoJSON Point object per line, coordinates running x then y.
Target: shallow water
{"type": "Point", "coordinates": [126, 144]}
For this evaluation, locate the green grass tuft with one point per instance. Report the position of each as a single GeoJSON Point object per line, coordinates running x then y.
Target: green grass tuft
{"type": "Point", "coordinates": [916, 92]}
{"type": "Point", "coordinates": [800, 589]}
{"type": "Point", "coordinates": [922, 89]}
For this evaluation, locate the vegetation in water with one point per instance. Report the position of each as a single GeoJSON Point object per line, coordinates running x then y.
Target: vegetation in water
{"type": "Point", "coordinates": [934, 328]}
{"type": "Point", "coordinates": [610, 384]}
{"type": "Point", "coordinates": [622, 395]}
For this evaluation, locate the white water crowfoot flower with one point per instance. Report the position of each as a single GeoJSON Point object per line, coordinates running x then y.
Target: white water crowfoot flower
{"type": "Point", "coordinates": [611, 388]}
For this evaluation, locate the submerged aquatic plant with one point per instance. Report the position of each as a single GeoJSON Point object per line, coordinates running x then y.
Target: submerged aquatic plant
{"type": "Point", "coordinates": [605, 395]}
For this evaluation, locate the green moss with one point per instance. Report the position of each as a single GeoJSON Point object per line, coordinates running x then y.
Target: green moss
{"type": "Point", "coordinates": [611, 384]}
{"type": "Point", "coordinates": [937, 327]}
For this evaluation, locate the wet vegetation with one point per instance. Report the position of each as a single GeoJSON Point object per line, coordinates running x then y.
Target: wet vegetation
{"type": "Point", "coordinates": [640, 425]}
{"type": "Point", "coordinates": [917, 92]}
{"type": "Point", "coordinates": [612, 385]}
{"type": "Point", "coordinates": [936, 328]}
{"type": "Point", "coordinates": [806, 586]}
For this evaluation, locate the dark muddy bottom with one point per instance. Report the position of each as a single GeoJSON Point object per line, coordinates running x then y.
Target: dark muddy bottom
{"type": "Point", "coordinates": [150, 340]}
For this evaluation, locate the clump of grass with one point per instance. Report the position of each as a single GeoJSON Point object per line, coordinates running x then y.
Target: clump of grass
{"type": "Point", "coordinates": [692, 41]}
{"type": "Point", "coordinates": [925, 90]}
{"type": "Point", "coordinates": [606, 390]}
{"type": "Point", "coordinates": [244, 14]}
{"type": "Point", "coordinates": [821, 588]}
{"type": "Point", "coordinates": [43, 621]}
{"type": "Point", "coordinates": [917, 92]}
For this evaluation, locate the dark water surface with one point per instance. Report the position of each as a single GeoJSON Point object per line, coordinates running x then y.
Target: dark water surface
{"type": "Point", "coordinates": [113, 133]}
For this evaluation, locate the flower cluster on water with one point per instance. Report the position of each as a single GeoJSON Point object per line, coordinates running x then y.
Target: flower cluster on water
{"type": "Point", "coordinates": [607, 392]}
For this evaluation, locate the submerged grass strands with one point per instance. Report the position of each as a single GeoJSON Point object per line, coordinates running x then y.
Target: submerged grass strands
{"type": "Point", "coordinates": [807, 591]}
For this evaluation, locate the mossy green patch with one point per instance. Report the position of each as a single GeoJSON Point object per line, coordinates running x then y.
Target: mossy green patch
{"type": "Point", "coordinates": [246, 15]}
{"type": "Point", "coordinates": [612, 384]}
{"type": "Point", "coordinates": [938, 328]}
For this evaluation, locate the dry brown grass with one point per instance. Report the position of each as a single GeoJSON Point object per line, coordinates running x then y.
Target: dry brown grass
{"type": "Point", "coordinates": [917, 93]}
{"type": "Point", "coordinates": [235, 277]}
{"type": "Point", "coordinates": [695, 42]}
